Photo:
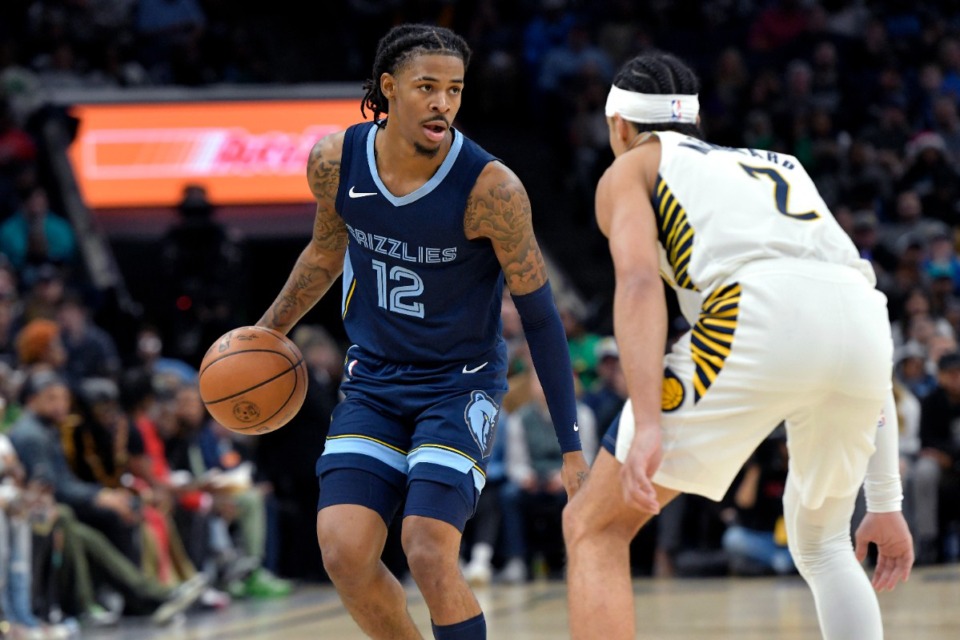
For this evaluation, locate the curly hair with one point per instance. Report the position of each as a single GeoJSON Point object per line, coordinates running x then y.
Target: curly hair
{"type": "Point", "coordinates": [397, 47]}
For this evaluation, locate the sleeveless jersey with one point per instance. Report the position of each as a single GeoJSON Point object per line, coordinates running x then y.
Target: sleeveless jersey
{"type": "Point", "coordinates": [719, 208]}
{"type": "Point", "coordinates": [415, 289]}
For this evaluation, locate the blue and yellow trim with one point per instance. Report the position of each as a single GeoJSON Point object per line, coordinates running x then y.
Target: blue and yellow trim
{"type": "Point", "coordinates": [675, 233]}
{"type": "Point", "coordinates": [347, 298]}
{"type": "Point", "coordinates": [446, 456]}
{"type": "Point", "coordinates": [712, 337]}
{"type": "Point", "coordinates": [387, 453]}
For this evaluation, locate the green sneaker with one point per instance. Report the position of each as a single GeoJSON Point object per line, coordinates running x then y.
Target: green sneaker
{"type": "Point", "coordinates": [263, 584]}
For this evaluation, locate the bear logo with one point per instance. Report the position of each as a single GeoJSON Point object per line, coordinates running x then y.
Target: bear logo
{"type": "Point", "coordinates": [481, 416]}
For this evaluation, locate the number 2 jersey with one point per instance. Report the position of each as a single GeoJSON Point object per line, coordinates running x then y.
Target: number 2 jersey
{"type": "Point", "coordinates": [415, 289]}
{"type": "Point", "coordinates": [719, 208]}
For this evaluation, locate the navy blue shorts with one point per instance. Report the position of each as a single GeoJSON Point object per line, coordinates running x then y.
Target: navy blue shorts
{"type": "Point", "coordinates": [424, 431]}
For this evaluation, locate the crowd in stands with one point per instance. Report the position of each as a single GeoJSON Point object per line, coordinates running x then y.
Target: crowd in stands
{"type": "Point", "coordinates": [119, 495]}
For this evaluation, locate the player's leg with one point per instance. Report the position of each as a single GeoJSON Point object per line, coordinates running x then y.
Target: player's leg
{"type": "Point", "coordinates": [830, 445]}
{"type": "Point", "coordinates": [362, 479]}
{"type": "Point", "coordinates": [598, 527]}
{"type": "Point", "coordinates": [351, 538]}
{"type": "Point", "coordinates": [440, 500]}
{"type": "Point", "coordinates": [447, 465]}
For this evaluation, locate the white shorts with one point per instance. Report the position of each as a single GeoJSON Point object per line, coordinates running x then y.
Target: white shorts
{"type": "Point", "coordinates": [785, 340]}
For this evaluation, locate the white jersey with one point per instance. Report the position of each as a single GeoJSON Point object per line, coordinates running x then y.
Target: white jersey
{"type": "Point", "coordinates": [719, 208]}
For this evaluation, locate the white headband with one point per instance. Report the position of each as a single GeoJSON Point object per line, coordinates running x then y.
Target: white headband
{"type": "Point", "coordinates": [649, 108]}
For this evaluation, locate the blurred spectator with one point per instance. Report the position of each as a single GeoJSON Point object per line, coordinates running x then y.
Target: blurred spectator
{"type": "Point", "coordinates": [756, 540]}
{"type": "Point", "coordinates": [202, 262]}
{"type": "Point", "coordinates": [582, 343]}
{"type": "Point", "coordinates": [911, 370]}
{"type": "Point", "coordinates": [198, 450]}
{"type": "Point", "coordinates": [36, 437]}
{"type": "Point", "coordinates": [286, 458]}
{"type": "Point", "coordinates": [17, 150]}
{"type": "Point", "coordinates": [610, 391]}
{"type": "Point", "coordinates": [929, 172]}
{"type": "Point", "coordinates": [34, 235]}
{"type": "Point", "coordinates": [91, 351]}
{"type": "Point", "coordinates": [778, 25]}
{"type": "Point", "coordinates": [39, 346]}
{"type": "Point", "coordinates": [533, 460]}
{"type": "Point", "coordinates": [45, 293]}
{"type": "Point", "coordinates": [168, 374]}
{"type": "Point", "coordinates": [936, 484]}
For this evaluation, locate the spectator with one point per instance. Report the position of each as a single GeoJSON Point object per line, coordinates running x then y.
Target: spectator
{"type": "Point", "coordinates": [936, 486]}
{"type": "Point", "coordinates": [610, 392]}
{"type": "Point", "coordinates": [36, 438]}
{"type": "Point", "coordinates": [91, 351]}
{"type": "Point", "coordinates": [39, 346]}
{"type": "Point", "coordinates": [533, 460]}
{"type": "Point", "coordinates": [34, 234]}
{"type": "Point", "coordinates": [756, 540]}
{"type": "Point", "coordinates": [195, 449]}
{"type": "Point", "coordinates": [202, 262]}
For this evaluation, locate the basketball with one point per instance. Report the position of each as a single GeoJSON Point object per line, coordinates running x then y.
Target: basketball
{"type": "Point", "coordinates": [253, 380]}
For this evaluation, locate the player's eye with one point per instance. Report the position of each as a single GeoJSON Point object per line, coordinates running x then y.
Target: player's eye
{"type": "Point", "coordinates": [426, 88]}
{"type": "Point", "coordinates": [455, 90]}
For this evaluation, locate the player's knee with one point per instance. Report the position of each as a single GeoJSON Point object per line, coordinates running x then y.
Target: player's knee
{"type": "Point", "coordinates": [575, 526]}
{"type": "Point", "coordinates": [427, 557]}
{"type": "Point", "coordinates": [346, 559]}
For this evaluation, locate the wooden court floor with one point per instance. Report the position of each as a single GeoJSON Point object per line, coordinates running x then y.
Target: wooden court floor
{"type": "Point", "coordinates": [926, 608]}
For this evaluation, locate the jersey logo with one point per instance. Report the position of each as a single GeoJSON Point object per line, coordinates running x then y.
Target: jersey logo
{"type": "Point", "coordinates": [676, 110]}
{"type": "Point", "coordinates": [360, 194]}
{"type": "Point", "coordinates": [672, 394]}
{"type": "Point", "coordinates": [475, 369]}
{"type": "Point", "coordinates": [481, 416]}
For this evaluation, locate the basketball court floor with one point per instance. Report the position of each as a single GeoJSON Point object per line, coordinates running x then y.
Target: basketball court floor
{"type": "Point", "coordinates": [926, 608]}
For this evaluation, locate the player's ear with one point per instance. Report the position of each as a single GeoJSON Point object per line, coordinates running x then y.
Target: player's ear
{"type": "Point", "coordinates": [624, 129]}
{"type": "Point", "coordinates": [388, 85]}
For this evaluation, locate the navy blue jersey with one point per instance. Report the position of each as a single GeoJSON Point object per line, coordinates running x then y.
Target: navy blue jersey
{"type": "Point", "coordinates": [415, 289]}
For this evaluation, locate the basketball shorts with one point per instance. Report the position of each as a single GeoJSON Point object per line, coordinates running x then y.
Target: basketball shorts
{"type": "Point", "coordinates": [408, 427]}
{"type": "Point", "coordinates": [803, 342]}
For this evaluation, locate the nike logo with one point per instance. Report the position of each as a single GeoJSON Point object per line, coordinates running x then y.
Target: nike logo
{"type": "Point", "coordinates": [360, 194]}
{"type": "Point", "coordinates": [475, 369]}
{"type": "Point", "coordinates": [576, 427]}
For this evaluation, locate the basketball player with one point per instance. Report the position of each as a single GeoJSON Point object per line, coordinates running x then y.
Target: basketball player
{"type": "Point", "coordinates": [786, 324]}
{"type": "Point", "coordinates": [425, 225]}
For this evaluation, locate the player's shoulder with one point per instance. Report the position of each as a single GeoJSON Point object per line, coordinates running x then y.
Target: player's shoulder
{"type": "Point", "coordinates": [495, 177]}
{"type": "Point", "coordinates": [637, 165]}
{"type": "Point", "coordinates": [323, 165]}
{"type": "Point", "coordinates": [328, 148]}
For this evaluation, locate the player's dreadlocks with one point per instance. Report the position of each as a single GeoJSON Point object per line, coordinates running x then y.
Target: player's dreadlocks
{"type": "Point", "coordinates": [399, 45]}
{"type": "Point", "coordinates": [660, 73]}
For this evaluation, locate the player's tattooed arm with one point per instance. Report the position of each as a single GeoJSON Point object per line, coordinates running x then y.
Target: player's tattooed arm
{"type": "Point", "coordinates": [321, 262]}
{"type": "Point", "coordinates": [498, 209]}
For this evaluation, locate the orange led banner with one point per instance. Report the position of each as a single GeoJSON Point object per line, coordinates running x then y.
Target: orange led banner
{"type": "Point", "coordinates": [142, 155]}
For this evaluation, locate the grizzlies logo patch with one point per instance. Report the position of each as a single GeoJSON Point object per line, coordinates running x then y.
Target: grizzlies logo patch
{"type": "Point", "coordinates": [673, 393]}
{"type": "Point", "coordinates": [481, 416]}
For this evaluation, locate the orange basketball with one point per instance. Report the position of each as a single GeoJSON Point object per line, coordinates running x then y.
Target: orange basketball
{"type": "Point", "coordinates": [253, 380]}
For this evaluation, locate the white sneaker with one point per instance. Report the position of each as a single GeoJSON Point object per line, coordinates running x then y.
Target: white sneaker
{"type": "Point", "coordinates": [515, 572]}
{"type": "Point", "coordinates": [478, 573]}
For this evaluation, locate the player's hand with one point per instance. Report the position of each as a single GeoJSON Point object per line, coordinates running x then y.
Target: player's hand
{"type": "Point", "coordinates": [894, 546]}
{"type": "Point", "coordinates": [642, 462]}
{"type": "Point", "coordinates": [573, 472]}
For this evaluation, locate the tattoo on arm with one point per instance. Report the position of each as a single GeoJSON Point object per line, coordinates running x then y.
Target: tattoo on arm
{"type": "Point", "coordinates": [321, 261]}
{"type": "Point", "coordinates": [500, 210]}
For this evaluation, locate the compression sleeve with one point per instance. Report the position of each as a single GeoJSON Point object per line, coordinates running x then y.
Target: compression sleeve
{"type": "Point", "coordinates": [551, 359]}
{"type": "Point", "coordinates": [882, 485]}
